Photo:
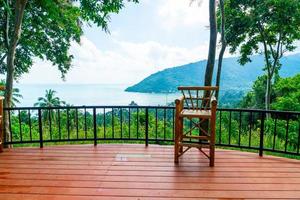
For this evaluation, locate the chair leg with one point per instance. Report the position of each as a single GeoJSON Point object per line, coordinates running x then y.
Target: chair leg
{"type": "Point", "coordinates": [176, 151]}
{"type": "Point", "coordinates": [212, 156]}
{"type": "Point", "coordinates": [212, 142]}
{"type": "Point", "coordinates": [180, 134]}
{"type": "Point", "coordinates": [178, 138]}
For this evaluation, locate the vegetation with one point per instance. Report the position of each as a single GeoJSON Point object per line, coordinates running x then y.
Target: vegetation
{"type": "Point", "coordinates": [263, 27]}
{"type": "Point", "coordinates": [285, 95]}
{"type": "Point", "coordinates": [50, 100]}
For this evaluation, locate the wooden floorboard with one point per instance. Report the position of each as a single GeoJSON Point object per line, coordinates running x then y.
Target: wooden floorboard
{"type": "Point", "coordinates": [120, 171]}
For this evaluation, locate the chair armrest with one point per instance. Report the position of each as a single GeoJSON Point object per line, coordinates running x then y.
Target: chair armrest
{"type": "Point", "coordinates": [213, 101]}
{"type": "Point", "coordinates": [179, 104]}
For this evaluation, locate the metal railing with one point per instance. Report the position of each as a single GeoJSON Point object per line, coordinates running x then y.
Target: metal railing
{"type": "Point", "coordinates": [261, 130]}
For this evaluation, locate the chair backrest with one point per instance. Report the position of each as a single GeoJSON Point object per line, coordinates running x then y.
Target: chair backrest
{"type": "Point", "coordinates": [197, 98]}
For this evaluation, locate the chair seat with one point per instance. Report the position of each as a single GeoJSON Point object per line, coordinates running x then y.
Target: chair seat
{"type": "Point", "coordinates": [195, 113]}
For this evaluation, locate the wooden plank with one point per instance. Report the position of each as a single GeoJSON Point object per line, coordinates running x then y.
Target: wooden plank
{"type": "Point", "coordinates": [240, 180]}
{"type": "Point", "coordinates": [162, 174]}
{"type": "Point", "coordinates": [120, 167]}
{"type": "Point", "coordinates": [70, 161]}
{"type": "Point", "coordinates": [149, 185]}
{"type": "Point", "coordinates": [77, 197]}
{"type": "Point", "coordinates": [149, 192]}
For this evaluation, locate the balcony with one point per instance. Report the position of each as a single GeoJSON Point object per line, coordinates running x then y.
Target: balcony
{"type": "Point", "coordinates": [105, 166]}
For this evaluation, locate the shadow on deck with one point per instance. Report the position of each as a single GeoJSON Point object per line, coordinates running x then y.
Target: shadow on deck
{"type": "Point", "coordinates": [116, 171]}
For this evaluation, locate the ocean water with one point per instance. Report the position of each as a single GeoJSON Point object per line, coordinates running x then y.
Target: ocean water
{"type": "Point", "coordinates": [92, 95]}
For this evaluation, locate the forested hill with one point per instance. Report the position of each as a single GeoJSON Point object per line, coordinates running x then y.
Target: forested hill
{"type": "Point", "coordinates": [234, 76]}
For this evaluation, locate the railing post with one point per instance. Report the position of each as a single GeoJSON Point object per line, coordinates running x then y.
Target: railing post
{"type": "Point", "coordinates": [146, 127]}
{"type": "Point", "coordinates": [95, 126]}
{"type": "Point", "coordinates": [40, 127]}
{"type": "Point", "coordinates": [261, 137]}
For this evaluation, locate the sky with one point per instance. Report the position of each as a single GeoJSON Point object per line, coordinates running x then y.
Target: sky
{"type": "Point", "coordinates": [144, 38]}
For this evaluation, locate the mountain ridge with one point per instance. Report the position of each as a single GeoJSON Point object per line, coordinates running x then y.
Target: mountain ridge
{"type": "Point", "coordinates": [234, 76]}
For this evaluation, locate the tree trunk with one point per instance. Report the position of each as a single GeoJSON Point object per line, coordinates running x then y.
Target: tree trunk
{"type": "Point", "coordinates": [19, 14]}
{"type": "Point", "coordinates": [268, 92]}
{"type": "Point", "coordinates": [223, 49]}
{"type": "Point", "coordinates": [220, 63]}
{"type": "Point", "coordinates": [211, 53]}
{"type": "Point", "coordinates": [212, 43]}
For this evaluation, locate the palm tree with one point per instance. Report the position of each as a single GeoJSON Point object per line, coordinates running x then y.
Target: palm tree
{"type": "Point", "coordinates": [16, 96]}
{"type": "Point", "coordinates": [49, 100]}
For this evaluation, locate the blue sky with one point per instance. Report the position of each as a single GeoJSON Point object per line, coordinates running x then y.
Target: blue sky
{"type": "Point", "coordinates": [145, 37]}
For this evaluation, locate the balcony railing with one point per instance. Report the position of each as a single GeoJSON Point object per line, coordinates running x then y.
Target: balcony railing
{"type": "Point", "coordinates": [260, 130]}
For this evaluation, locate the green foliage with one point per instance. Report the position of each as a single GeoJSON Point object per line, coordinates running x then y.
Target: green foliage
{"type": "Point", "coordinates": [255, 97]}
{"type": "Point", "coordinates": [285, 94]}
{"type": "Point", "coordinates": [251, 23]}
{"type": "Point", "coordinates": [230, 98]}
{"type": "Point", "coordinates": [48, 101]}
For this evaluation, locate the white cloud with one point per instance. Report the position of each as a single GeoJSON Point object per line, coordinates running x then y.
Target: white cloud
{"type": "Point", "coordinates": [116, 59]}
{"type": "Point", "coordinates": [128, 63]}
{"type": "Point", "coordinates": [182, 14]}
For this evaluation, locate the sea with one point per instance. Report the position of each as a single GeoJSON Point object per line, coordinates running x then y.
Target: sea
{"type": "Point", "coordinates": [93, 95]}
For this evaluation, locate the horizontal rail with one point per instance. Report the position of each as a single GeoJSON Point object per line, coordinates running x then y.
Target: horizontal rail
{"type": "Point", "coordinates": [153, 107]}
{"type": "Point", "coordinates": [198, 88]}
{"type": "Point", "coordinates": [82, 107]}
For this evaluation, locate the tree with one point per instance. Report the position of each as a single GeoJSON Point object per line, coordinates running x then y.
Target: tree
{"type": "Point", "coordinates": [255, 97]}
{"type": "Point", "coordinates": [223, 44]}
{"type": "Point", "coordinates": [212, 43]}
{"type": "Point", "coordinates": [44, 29]}
{"type": "Point", "coordinates": [48, 101]}
{"type": "Point", "coordinates": [268, 27]}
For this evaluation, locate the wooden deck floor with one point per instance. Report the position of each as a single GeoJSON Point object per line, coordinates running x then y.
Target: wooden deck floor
{"type": "Point", "coordinates": [135, 172]}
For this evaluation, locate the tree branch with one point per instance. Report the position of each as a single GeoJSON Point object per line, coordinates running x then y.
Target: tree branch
{"type": "Point", "coordinates": [2, 58]}
{"type": "Point", "coordinates": [260, 28]}
{"type": "Point", "coordinates": [277, 57]}
{"type": "Point", "coordinates": [6, 31]}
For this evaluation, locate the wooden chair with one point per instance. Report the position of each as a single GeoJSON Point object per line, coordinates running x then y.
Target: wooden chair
{"type": "Point", "coordinates": [197, 107]}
